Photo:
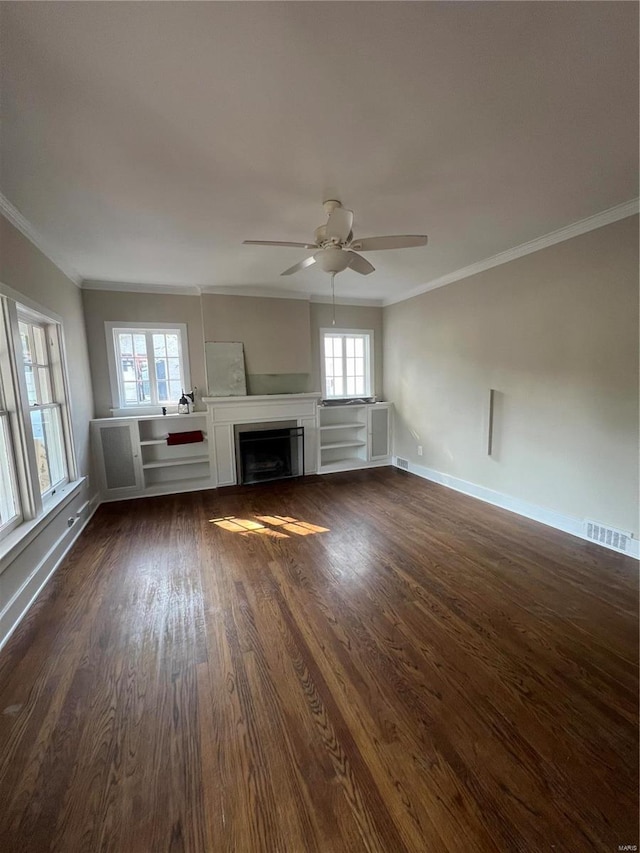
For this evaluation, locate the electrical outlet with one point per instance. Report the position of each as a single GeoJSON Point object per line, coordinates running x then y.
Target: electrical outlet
{"type": "Point", "coordinates": [419, 450]}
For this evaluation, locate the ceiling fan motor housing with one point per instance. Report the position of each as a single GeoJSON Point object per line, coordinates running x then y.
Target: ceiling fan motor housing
{"type": "Point", "coordinates": [332, 259]}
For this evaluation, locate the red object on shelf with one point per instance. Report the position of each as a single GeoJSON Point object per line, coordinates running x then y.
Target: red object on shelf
{"type": "Point", "coordinates": [185, 437]}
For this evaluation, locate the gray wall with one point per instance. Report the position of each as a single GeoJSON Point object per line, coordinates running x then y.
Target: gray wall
{"type": "Point", "coordinates": [280, 336]}
{"type": "Point", "coordinates": [556, 334]}
{"type": "Point", "coordinates": [108, 305]}
{"type": "Point", "coordinates": [347, 317]}
{"type": "Point", "coordinates": [25, 269]}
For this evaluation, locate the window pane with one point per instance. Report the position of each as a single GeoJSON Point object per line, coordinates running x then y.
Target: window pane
{"type": "Point", "coordinates": [8, 497]}
{"type": "Point", "coordinates": [328, 346]}
{"type": "Point", "coordinates": [175, 391]}
{"type": "Point", "coordinates": [173, 345]}
{"type": "Point", "coordinates": [339, 386]}
{"type": "Point", "coordinates": [161, 369]}
{"type": "Point", "coordinates": [26, 342]}
{"type": "Point", "coordinates": [351, 386]}
{"type": "Point", "coordinates": [46, 394]}
{"type": "Point", "coordinates": [126, 344]}
{"type": "Point", "coordinates": [159, 347]}
{"type": "Point", "coordinates": [359, 386]}
{"type": "Point", "coordinates": [359, 347]}
{"type": "Point", "coordinates": [349, 347]}
{"type": "Point", "coordinates": [163, 392]}
{"type": "Point", "coordinates": [40, 340]}
{"type": "Point", "coordinates": [32, 394]}
{"type": "Point", "coordinates": [140, 344]}
{"type": "Point", "coordinates": [127, 368]}
{"type": "Point", "coordinates": [174, 368]}
{"type": "Point", "coordinates": [130, 392]}
{"type": "Point", "coordinates": [55, 446]}
{"type": "Point", "coordinates": [42, 460]}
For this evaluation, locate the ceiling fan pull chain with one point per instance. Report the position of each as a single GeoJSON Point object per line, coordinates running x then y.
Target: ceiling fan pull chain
{"type": "Point", "coordinates": [333, 298]}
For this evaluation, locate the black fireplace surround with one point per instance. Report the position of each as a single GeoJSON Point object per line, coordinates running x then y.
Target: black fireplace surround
{"type": "Point", "coordinates": [270, 454]}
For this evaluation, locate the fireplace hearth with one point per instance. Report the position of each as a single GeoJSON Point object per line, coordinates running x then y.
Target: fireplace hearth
{"type": "Point", "coordinates": [270, 454]}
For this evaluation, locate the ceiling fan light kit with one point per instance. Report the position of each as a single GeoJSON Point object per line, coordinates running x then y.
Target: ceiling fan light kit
{"type": "Point", "coordinates": [335, 247]}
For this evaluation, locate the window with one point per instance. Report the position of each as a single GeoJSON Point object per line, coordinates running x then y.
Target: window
{"type": "Point", "coordinates": [45, 405]}
{"type": "Point", "coordinates": [36, 446]}
{"type": "Point", "coordinates": [347, 368]}
{"type": "Point", "coordinates": [9, 502]}
{"type": "Point", "coordinates": [148, 364]}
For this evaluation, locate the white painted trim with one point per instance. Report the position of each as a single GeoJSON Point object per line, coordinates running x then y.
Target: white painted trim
{"type": "Point", "coordinates": [559, 521]}
{"type": "Point", "coordinates": [599, 220]}
{"type": "Point", "coordinates": [348, 300]}
{"type": "Point", "coordinates": [13, 215]}
{"type": "Point", "coordinates": [262, 293]}
{"type": "Point", "coordinates": [212, 290]}
{"type": "Point", "coordinates": [370, 378]}
{"type": "Point", "coordinates": [19, 604]}
{"type": "Point", "coordinates": [133, 287]}
{"type": "Point", "coordinates": [42, 312]}
{"type": "Point", "coordinates": [114, 379]}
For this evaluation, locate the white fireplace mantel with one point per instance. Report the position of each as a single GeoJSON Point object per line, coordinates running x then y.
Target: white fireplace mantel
{"type": "Point", "coordinates": [224, 413]}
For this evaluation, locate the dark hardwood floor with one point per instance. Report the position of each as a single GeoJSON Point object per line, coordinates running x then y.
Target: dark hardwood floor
{"type": "Point", "coordinates": [382, 665]}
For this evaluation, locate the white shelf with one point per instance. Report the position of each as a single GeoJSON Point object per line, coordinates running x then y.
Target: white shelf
{"type": "Point", "coordinates": [352, 425]}
{"type": "Point", "coordinates": [184, 460]}
{"type": "Point", "coordinates": [349, 463]}
{"type": "Point", "coordinates": [335, 444]}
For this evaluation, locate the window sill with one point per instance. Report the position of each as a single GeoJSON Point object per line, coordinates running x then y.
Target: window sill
{"type": "Point", "coordinates": [138, 411]}
{"type": "Point", "coordinates": [19, 538]}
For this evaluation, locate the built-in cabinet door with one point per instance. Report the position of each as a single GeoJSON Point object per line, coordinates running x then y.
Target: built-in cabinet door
{"type": "Point", "coordinates": [378, 428]}
{"type": "Point", "coordinates": [118, 455]}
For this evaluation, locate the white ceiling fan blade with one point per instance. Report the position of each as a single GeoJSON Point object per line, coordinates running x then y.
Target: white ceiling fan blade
{"type": "Point", "coordinates": [360, 264]}
{"type": "Point", "coordinates": [399, 241]}
{"type": "Point", "coordinates": [278, 243]}
{"type": "Point", "coordinates": [301, 266]}
{"type": "Point", "coordinates": [339, 224]}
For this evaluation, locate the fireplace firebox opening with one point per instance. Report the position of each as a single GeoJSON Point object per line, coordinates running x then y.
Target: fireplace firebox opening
{"type": "Point", "coordinates": [269, 454]}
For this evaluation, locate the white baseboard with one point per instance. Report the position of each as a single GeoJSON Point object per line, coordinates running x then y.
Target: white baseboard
{"type": "Point", "coordinates": [18, 605]}
{"type": "Point", "coordinates": [566, 523]}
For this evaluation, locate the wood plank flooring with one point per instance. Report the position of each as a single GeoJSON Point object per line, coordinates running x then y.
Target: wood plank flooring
{"type": "Point", "coordinates": [358, 662]}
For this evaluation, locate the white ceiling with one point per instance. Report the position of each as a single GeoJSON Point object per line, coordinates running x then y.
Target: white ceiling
{"type": "Point", "coordinates": [145, 141]}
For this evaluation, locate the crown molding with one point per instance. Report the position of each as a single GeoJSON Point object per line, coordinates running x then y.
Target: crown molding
{"type": "Point", "coordinates": [13, 215]}
{"type": "Point", "coordinates": [598, 220]}
{"type": "Point", "coordinates": [348, 300]}
{"type": "Point", "coordinates": [210, 290]}
{"type": "Point", "coordinates": [136, 287]}
{"type": "Point", "coordinates": [262, 293]}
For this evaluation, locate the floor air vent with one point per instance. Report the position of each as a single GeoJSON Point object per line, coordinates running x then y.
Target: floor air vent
{"type": "Point", "coordinates": [402, 463]}
{"type": "Point", "coordinates": [608, 536]}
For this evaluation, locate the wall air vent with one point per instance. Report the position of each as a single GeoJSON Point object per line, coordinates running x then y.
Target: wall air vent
{"type": "Point", "coordinates": [608, 536]}
{"type": "Point", "coordinates": [402, 463]}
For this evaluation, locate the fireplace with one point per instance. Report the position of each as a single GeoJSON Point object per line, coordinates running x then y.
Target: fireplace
{"type": "Point", "coordinates": [269, 454]}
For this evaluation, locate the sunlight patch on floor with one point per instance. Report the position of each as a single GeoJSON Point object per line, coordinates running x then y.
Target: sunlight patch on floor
{"type": "Point", "coordinates": [247, 526]}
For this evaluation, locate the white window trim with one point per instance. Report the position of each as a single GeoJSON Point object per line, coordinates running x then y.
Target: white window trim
{"type": "Point", "coordinates": [369, 361]}
{"type": "Point", "coordinates": [35, 511]}
{"type": "Point", "coordinates": [117, 408]}
{"type": "Point", "coordinates": [54, 363]}
{"type": "Point", "coordinates": [60, 389]}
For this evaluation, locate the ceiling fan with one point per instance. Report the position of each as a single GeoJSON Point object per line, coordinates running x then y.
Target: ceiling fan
{"type": "Point", "coordinates": [335, 248]}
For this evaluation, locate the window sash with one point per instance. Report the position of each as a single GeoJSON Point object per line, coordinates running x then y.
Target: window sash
{"type": "Point", "coordinates": [10, 506]}
{"type": "Point", "coordinates": [46, 422]}
{"type": "Point", "coordinates": [163, 390]}
{"type": "Point", "coordinates": [48, 440]}
{"type": "Point", "coordinates": [346, 363]}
